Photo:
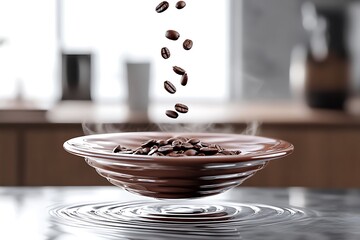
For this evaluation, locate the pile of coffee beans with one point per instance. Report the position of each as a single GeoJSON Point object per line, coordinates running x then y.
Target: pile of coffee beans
{"type": "Point", "coordinates": [174, 35]}
{"type": "Point", "coordinates": [176, 147]}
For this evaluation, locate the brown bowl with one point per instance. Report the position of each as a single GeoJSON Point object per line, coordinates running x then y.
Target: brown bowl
{"type": "Point", "coordinates": [177, 177]}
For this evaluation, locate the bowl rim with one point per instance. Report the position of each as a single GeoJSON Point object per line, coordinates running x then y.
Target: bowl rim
{"type": "Point", "coordinates": [283, 148]}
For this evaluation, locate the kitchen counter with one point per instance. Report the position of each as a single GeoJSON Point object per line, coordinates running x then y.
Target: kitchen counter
{"type": "Point", "coordinates": [66, 213]}
{"type": "Point", "coordinates": [326, 142]}
{"type": "Point", "coordinates": [269, 112]}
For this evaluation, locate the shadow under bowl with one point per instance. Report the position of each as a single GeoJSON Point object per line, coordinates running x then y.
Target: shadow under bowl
{"type": "Point", "coordinates": [177, 177]}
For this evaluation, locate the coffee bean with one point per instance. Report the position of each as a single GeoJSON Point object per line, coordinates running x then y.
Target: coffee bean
{"type": "Point", "coordinates": [149, 143]}
{"type": "Point", "coordinates": [165, 149]}
{"type": "Point", "coordinates": [153, 150]}
{"type": "Point", "coordinates": [209, 150]}
{"type": "Point", "coordinates": [176, 142]}
{"type": "Point", "coordinates": [187, 45]}
{"type": "Point", "coordinates": [181, 108]}
{"type": "Point", "coordinates": [182, 139]}
{"type": "Point", "coordinates": [219, 148]}
{"type": "Point", "coordinates": [177, 147]}
{"type": "Point", "coordinates": [179, 70]}
{"type": "Point", "coordinates": [127, 152]}
{"type": "Point", "coordinates": [193, 141]}
{"type": "Point", "coordinates": [186, 145]}
{"type": "Point", "coordinates": [197, 146]}
{"type": "Point", "coordinates": [117, 149]}
{"type": "Point", "coordinates": [170, 140]}
{"type": "Point", "coordinates": [162, 142]}
{"type": "Point", "coordinates": [171, 114]}
{"type": "Point", "coordinates": [145, 150]}
{"type": "Point", "coordinates": [172, 35]}
{"type": "Point", "coordinates": [120, 149]}
{"type": "Point", "coordinates": [139, 152]}
{"type": "Point", "coordinates": [190, 152]}
{"type": "Point", "coordinates": [158, 154]}
{"type": "Point", "coordinates": [226, 152]}
{"type": "Point", "coordinates": [162, 7]}
{"type": "Point", "coordinates": [169, 87]}
{"type": "Point", "coordinates": [184, 79]}
{"type": "Point", "coordinates": [165, 52]}
{"type": "Point", "coordinates": [174, 154]}
{"type": "Point", "coordinates": [204, 144]}
{"type": "Point", "coordinates": [180, 4]}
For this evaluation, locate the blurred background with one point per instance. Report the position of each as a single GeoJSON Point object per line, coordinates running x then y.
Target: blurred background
{"type": "Point", "coordinates": [279, 68]}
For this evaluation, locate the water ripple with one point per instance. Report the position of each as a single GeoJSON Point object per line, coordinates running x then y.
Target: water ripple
{"type": "Point", "coordinates": [175, 219]}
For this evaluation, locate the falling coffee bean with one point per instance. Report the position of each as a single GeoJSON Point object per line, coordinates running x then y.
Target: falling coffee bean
{"type": "Point", "coordinates": [181, 108]}
{"type": "Point", "coordinates": [172, 35]}
{"type": "Point", "coordinates": [184, 79]}
{"type": "Point", "coordinates": [165, 52]}
{"type": "Point", "coordinates": [169, 87]}
{"type": "Point", "coordinates": [180, 4]}
{"type": "Point", "coordinates": [171, 114]}
{"type": "Point", "coordinates": [188, 44]}
{"type": "Point", "coordinates": [179, 70]}
{"type": "Point", "coordinates": [162, 7]}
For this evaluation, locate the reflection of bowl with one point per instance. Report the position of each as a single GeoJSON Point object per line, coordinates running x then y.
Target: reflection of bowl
{"type": "Point", "coordinates": [177, 177]}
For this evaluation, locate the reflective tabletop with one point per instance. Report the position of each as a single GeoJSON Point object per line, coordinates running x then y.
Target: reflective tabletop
{"type": "Point", "coordinates": [65, 213]}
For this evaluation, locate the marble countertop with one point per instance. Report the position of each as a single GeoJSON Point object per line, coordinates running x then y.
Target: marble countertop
{"type": "Point", "coordinates": [66, 213]}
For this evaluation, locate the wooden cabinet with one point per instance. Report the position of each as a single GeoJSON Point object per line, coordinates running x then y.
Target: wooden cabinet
{"type": "Point", "coordinates": [9, 151]}
{"type": "Point", "coordinates": [47, 163]}
{"type": "Point", "coordinates": [324, 157]}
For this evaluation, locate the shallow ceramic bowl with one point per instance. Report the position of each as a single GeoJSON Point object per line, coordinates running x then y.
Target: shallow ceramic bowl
{"type": "Point", "coordinates": [177, 177]}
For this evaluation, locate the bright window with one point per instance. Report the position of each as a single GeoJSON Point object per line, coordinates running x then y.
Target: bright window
{"type": "Point", "coordinates": [29, 53]}
{"type": "Point", "coordinates": [114, 31]}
